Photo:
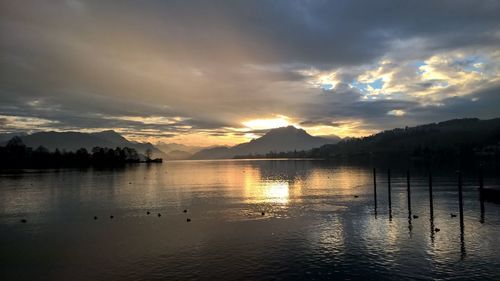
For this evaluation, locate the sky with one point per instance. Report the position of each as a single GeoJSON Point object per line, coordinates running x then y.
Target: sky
{"type": "Point", "coordinates": [223, 72]}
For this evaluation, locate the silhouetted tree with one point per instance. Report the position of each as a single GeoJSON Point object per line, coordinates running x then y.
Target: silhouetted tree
{"type": "Point", "coordinates": [149, 154]}
{"type": "Point", "coordinates": [16, 155]}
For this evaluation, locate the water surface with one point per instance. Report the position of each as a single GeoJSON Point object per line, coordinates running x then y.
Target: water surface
{"type": "Point", "coordinates": [319, 223]}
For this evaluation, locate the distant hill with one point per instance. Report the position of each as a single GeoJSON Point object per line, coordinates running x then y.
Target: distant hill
{"type": "Point", "coordinates": [72, 141]}
{"type": "Point", "coordinates": [4, 138]}
{"type": "Point", "coordinates": [276, 140]}
{"type": "Point", "coordinates": [178, 155]}
{"type": "Point", "coordinates": [169, 147]}
{"type": "Point", "coordinates": [448, 139]}
{"type": "Point", "coordinates": [176, 151]}
{"type": "Point", "coordinates": [218, 152]}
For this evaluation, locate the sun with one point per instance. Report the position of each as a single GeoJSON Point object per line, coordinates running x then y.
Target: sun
{"type": "Point", "coordinates": [262, 124]}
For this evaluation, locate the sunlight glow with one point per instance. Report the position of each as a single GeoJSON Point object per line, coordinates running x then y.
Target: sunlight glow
{"type": "Point", "coordinates": [259, 190]}
{"type": "Point", "coordinates": [350, 128]}
{"type": "Point", "coordinates": [396, 112]}
{"type": "Point", "coordinates": [320, 79]}
{"type": "Point", "coordinates": [276, 191]}
{"type": "Point", "coordinates": [262, 124]}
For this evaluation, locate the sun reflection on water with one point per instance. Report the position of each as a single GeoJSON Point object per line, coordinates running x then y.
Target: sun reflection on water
{"type": "Point", "coordinates": [275, 191]}
{"type": "Point", "coordinates": [261, 190]}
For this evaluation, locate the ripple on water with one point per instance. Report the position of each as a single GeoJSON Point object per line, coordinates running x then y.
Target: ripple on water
{"type": "Point", "coordinates": [313, 228]}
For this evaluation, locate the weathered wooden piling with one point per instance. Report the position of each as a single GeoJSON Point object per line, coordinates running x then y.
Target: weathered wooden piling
{"type": "Point", "coordinates": [408, 192]}
{"type": "Point", "coordinates": [389, 187]}
{"type": "Point", "coordinates": [481, 180]}
{"type": "Point", "coordinates": [481, 193]}
{"type": "Point", "coordinates": [460, 200]}
{"type": "Point", "coordinates": [375, 189]}
{"type": "Point", "coordinates": [431, 205]}
{"type": "Point", "coordinates": [461, 206]}
{"type": "Point", "coordinates": [431, 198]}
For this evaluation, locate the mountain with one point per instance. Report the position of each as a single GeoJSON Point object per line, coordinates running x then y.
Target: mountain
{"type": "Point", "coordinates": [176, 151]}
{"type": "Point", "coordinates": [178, 155]}
{"type": "Point", "coordinates": [4, 138]}
{"type": "Point", "coordinates": [448, 139]}
{"type": "Point", "coordinates": [72, 141]}
{"type": "Point", "coordinates": [218, 152]}
{"type": "Point", "coordinates": [169, 147]}
{"type": "Point", "coordinates": [276, 140]}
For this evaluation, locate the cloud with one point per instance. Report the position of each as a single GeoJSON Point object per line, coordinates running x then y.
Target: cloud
{"type": "Point", "coordinates": [396, 112]}
{"type": "Point", "coordinates": [193, 70]}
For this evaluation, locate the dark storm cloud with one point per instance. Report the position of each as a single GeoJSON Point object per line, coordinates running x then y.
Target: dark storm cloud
{"type": "Point", "coordinates": [209, 65]}
{"type": "Point", "coordinates": [481, 104]}
{"type": "Point", "coordinates": [345, 103]}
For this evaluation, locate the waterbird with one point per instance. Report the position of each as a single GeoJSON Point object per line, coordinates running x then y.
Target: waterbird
{"type": "Point", "coordinates": [453, 215]}
{"type": "Point", "coordinates": [356, 196]}
{"type": "Point", "coordinates": [148, 212]}
{"type": "Point", "coordinates": [185, 211]}
{"type": "Point", "coordinates": [159, 214]}
{"type": "Point", "coordinates": [24, 221]}
{"type": "Point", "coordinates": [188, 219]}
{"type": "Point", "coordinates": [95, 217]}
{"type": "Point", "coordinates": [262, 213]}
{"type": "Point", "coordinates": [415, 216]}
{"type": "Point", "coordinates": [111, 216]}
{"type": "Point", "coordinates": [437, 229]}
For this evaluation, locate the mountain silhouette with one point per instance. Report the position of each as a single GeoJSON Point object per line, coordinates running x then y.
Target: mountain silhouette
{"type": "Point", "coordinates": [448, 139]}
{"type": "Point", "coordinates": [282, 139]}
{"type": "Point", "coordinates": [169, 147]}
{"type": "Point", "coordinates": [72, 141]}
{"type": "Point", "coordinates": [177, 151]}
{"type": "Point", "coordinates": [178, 155]}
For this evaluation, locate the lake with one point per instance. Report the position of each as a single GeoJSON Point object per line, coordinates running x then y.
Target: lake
{"type": "Point", "coordinates": [250, 220]}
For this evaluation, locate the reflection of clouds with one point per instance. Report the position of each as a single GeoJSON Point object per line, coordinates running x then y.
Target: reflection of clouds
{"type": "Point", "coordinates": [323, 219]}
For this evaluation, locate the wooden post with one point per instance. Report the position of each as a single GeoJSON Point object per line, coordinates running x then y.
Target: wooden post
{"type": "Point", "coordinates": [431, 205]}
{"type": "Point", "coordinates": [409, 193]}
{"type": "Point", "coordinates": [460, 200]}
{"type": "Point", "coordinates": [389, 192]}
{"type": "Point", "coordinates": [481, 193]}
{"type": "Point", "coordinates": [461, 206]}
{"type": "Point", "coordinates": [431, 199]}
{"type": "Point", "coordinates": [481, 180]}
{"type": "Point", "coordinates": [375, 189]}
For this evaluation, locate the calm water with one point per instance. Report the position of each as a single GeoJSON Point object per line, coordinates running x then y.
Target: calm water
{"type": "Point", "coordinates": [314, 227]}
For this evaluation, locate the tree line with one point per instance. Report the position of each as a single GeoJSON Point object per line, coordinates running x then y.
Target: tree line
{"type": "Point", "coordinates": [17, 155]}
{"type": "Point", "coordinates": [459, 140]}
